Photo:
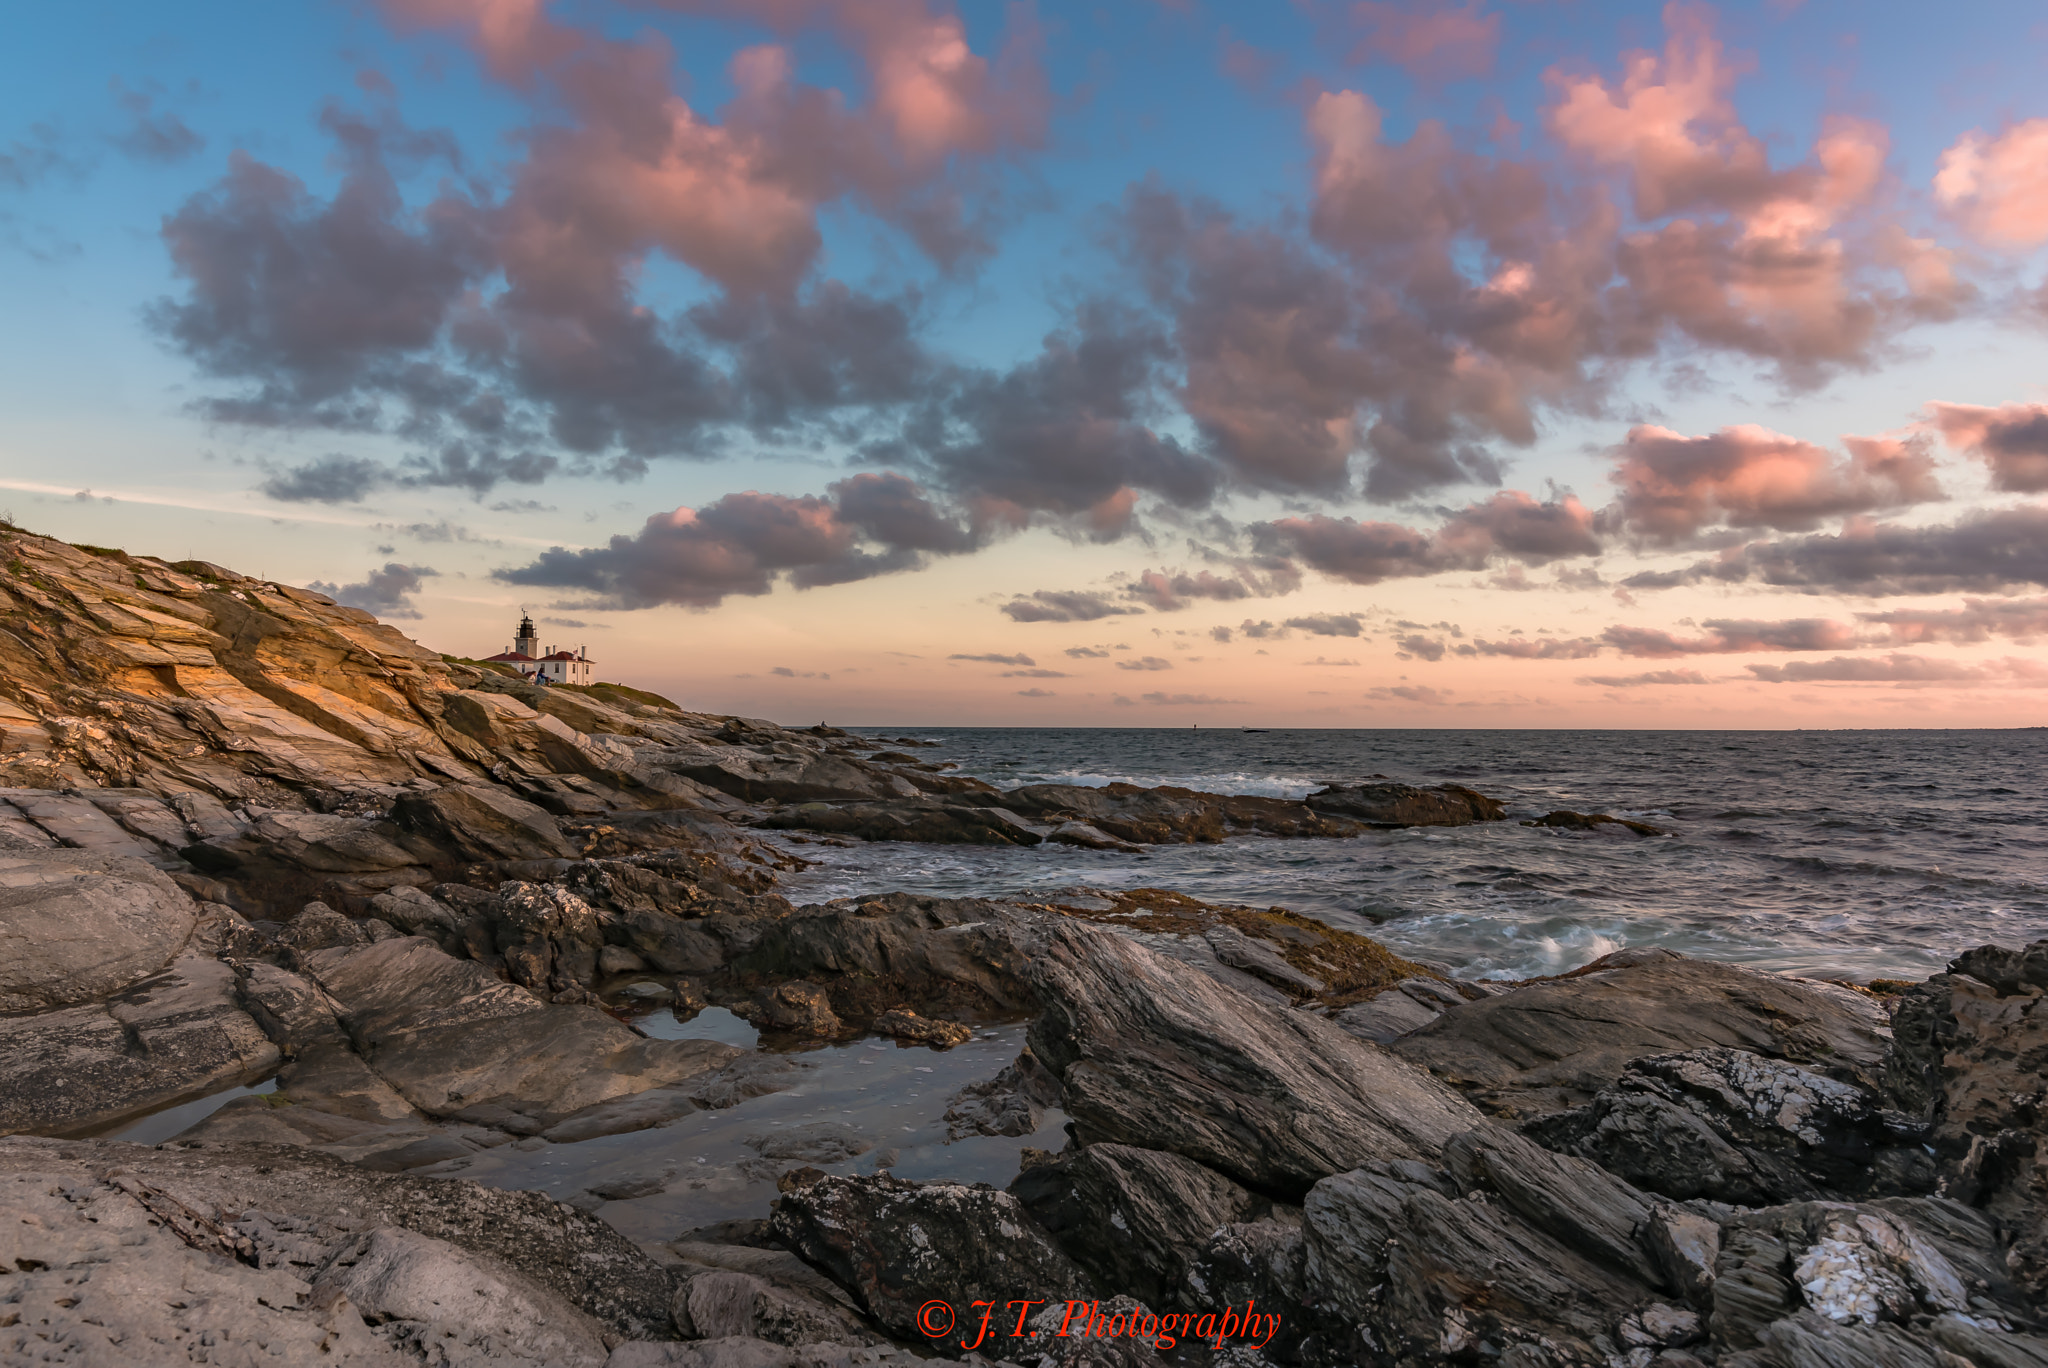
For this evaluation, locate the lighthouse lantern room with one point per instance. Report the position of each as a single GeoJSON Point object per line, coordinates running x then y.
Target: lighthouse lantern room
{"type": "Point", "coordinates": [553, 667]}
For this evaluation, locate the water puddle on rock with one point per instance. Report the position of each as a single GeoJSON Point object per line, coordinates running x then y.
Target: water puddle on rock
{"type": "Point", "coordinates": [160, 1125]}
{"type": "Point", "coordinates": [863, 1107]}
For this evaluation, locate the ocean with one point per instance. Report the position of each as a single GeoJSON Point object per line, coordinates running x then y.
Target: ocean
{"type": "Point", "coordinates": [1855, 854]}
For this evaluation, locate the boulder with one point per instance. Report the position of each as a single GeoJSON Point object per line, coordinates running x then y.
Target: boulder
{"type": "Point", "coordinates": [907, 819]}
{"type": "Point", "coordinates": [1427, 1276]}
{"type": "Point", "coordinates": [903, 1024]}
{"type": "Point", "coordinates": [473, 822]}
{"type": "Point", "coordinates": [1735, 1127]}
{"type": "Point", "coordinates": [897, 1245]}
{"type": "Point", "coordinates": [715, 1303]}
{"type": "Point", "coordinates": [1404, 805]}
{"type": "Point", "coordinates": [1598, 823]}
{"type": "Point", "coordinates": [1971, 1051]}
{"type": "Point", "coordinates": [1154, 1054]}
{"type": "Point", "coordinates": [1897, 1281]}
{"type": "Point", "coordinates": [76, 926]}
{"type": "Point", "coordinates": [1554, 1044]}
{"type": "Point", "coordinates": [1133, 1219]}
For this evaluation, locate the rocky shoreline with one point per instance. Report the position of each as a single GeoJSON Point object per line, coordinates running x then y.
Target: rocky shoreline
{"type": "Point", "coordinates": [249, 836]}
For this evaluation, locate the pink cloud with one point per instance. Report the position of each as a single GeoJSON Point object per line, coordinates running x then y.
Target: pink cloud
{"type": "Point", "coordinates": [2012, 439]}
{"type": "Point", "coordinates": [1977, 620]}
{"type": "Point", "coordinates": [1997, 187]}
{"type": "Point", "coordinates": [1673, 486]}
{"type": "Point", "coordinates": [1905, 671]}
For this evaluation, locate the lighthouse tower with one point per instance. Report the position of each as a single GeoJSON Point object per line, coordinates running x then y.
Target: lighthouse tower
{"type": "Point", "coordinates": [556, 667]}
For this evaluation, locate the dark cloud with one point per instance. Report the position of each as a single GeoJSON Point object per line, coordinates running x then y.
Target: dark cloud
{"type": "Point", "coordinates": [1260, 631]}
{"type": "Point", "coordinates": [1324, 624]}
{"type": "Point", "coordinates": [996, 659]}
{"type": "Point", "coordinates": [152, 135]}
{"type": "Point", "coordinates": [1981, 553]}
{"type": "Point", "coordinates": [387, 592]}
{"type": "Point", "coordinates": [1730, 636]}
{"type": "Point", "coordinates": [1532, 648]}
{"type": "Point", "coordinates": [1145, 663]}
{"type": "Point", "coordinates": [1036, 693]}
{"type": "Point", "coordinates": [1035, 674]}
{"type": "Point", "coordinates": [1169, 592]}
{"type": "Point", "coordinates": [743, 543]}
{"type": "Point", "coordinates": [330, 479]}
{"type": "Point", "coordinates": [2011, 439]}
{"type": "Point", "coordinates": [1178, 700]}
{"type": "Point", "coordinates": [1509, 524]}
{"type": "Point", "coordinates": [1647, 678]}
{"type": "Point", "coordinates": [1221, 634]}
{"type": "Point", "coordinates": [1053, 605]}
{"type": "Point", "coordinates": [1426, 648]}
{"type": "Point", "coordinates": [1086, 653]}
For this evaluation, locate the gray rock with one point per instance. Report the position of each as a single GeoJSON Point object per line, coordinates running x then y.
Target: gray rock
{"type": "Point", "coordinates": [179, 1035]}
{"type": "Point", "coordinates": [1552, 1045]}
{"type": "Point", "coordinates": [1576, 1202]}
{"type": "Point", "coordinates": [290, 1217]}
{"type": "Point", "coordinates": [76, 926]}
{"type": "Point", "coordinates": [1133, 1219]}
{"type": "Point", "coordinates": [394, 1274]}
{"type": "Point", "coordinates": [320, 927]}
{"type": "Point", "coordinates": [1154, 1054]}
{"type": "Point", "coordinates": [1261, 961]}
{"type": "Point", "coordinates": [1387, 1016]}
{"type": "Point", "coordinates": [1428, 1277]}
{"type": "Point", "coordinates": [1734, 1127]}
{"type": "Point", "coordinates": [1014, 1102]}
{"type": "Point", "coordinates": [897, 1245]}
{"type": "Point", "coordinates": [719, 1302]}
{"type": "Point", "coordinates": [621, 1116]}
{"type": "Point", "coordinates": [293, 1011]}
{"type": "Point", "coordinates": [1403, 805]}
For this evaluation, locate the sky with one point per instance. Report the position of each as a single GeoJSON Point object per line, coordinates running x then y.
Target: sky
{"type": "Point", "coordinates": [1385, 363]}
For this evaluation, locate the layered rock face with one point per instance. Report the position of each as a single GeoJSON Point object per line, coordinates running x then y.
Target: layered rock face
{"type": "Point", "coordinates": [252, 837]}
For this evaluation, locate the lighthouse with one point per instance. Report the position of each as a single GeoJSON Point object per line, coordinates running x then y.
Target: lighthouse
{"type": "Point", "coordinates": [555, 667]}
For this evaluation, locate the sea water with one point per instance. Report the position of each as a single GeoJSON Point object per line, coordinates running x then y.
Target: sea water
{"type": "Point", "coordinates": [1855, 854]}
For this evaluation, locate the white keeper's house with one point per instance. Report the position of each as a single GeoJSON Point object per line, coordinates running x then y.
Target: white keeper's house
{"type": "Point", "coordinates": [556, 667]}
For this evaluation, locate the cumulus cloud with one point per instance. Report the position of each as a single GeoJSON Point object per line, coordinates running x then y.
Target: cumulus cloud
{"type": "Point", "coordinates": [1145, 663]}
{"type": "Point", "coordinates": [2011, 439]}
{"type": "Point", "coordinates": [1055, 605]}
{"type": "Point", "coordinates": [1036, 693]}
{"type": "Point", "coordinates": [1673, 486]}
{"type": "Point", "coordinates": [743, 543]}
{"type": "Point", "coordinates": [1416, 645]}
{"type": "Point", "coordinates": [1087, 653]}
{"type": "Point", "coordinates": [1034, 674]}
{"type": "Point", "coordinates": [1997, 186]}
{"type": "Point", "coordinates": [1646, 679]}
{"type": "Point", "coordinates": [329, 479]}
{"type": "Point", "coordinates": [387, 592]}
{"type": "Point", "coordinates": [1729, 636]}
